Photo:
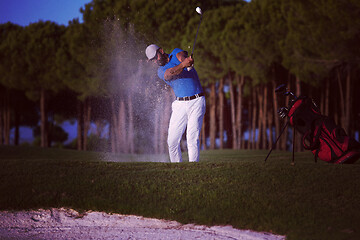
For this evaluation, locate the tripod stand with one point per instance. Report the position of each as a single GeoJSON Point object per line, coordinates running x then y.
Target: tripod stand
{"type": "Point", "coordinates": [293, 143]}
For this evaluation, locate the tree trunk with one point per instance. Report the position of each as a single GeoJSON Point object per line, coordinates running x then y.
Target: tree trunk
{"type": "Point", "coordinates": [87, 118]}
{"type": "Point", "coordinates": [270, 122]}
{"type": "Point", "coordinates": [7, 122]}
{"type": "Point", "coordinates": [233, 114]}
{"type": "Point", "coordinates": [130, 135]}
{"type": "Point", "coordinates": [80, 125]}
{"type": "Point", "coordinates": [240, 83]}
{"type": "Point", "coordinates": [203, 135]}
{"type": "Point", "coordinates": [261, 116]}
{"type": "Point", "coordinates": [100, 126]}
{"type": "Point", "coordinates": [264, 119]}
{"type": "Point", "coordinates": [348, 101]}
{"type": "Point", "coordinates": [122, 128]}
{"type": "Point", "coordinates": [1, 119]}
{"type": "Point", "coordinates": [221, 113]}
{"type": "Point", "coordinates": [327, 99]}
{"type": "Point", "coordinates": [341, 100]}
{"type": "Point", "coordinates": [250, 121]}
{"type": "Point", "coordinates": [254, 118]}
{"type": "Point", "coordinates": [275, 115]}
{"type": "Point", "coordinates": [17, 127]}
{"type": "Point", "coordinates": [212, 116]}
{"type": "Point", "coordinates": [113, 126]}
{"type": "Point", "coordinates": [5, 127]}
{"type": "Point", "coordinates": [43, 126]}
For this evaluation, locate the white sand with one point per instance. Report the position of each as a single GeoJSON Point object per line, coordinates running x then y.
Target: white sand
{"type": "Point", "coordinates": [69, 224]}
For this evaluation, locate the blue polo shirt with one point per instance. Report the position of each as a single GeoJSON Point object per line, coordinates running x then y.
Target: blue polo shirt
{"type": "Point", "coordinates": [187, 83]}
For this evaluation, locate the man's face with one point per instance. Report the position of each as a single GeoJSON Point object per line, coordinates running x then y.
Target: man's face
{"type": "Point", "coordinates": [161, 57]}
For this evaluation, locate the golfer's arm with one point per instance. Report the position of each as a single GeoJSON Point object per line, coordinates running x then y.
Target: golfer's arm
{"type": "Point", "coordinates": [174, 71]}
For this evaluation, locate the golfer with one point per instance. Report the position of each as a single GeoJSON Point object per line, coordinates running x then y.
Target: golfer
{"type": "Point", "coordinates": [189, 107]}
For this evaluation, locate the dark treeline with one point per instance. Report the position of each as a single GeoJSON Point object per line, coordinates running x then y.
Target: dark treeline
{"type": "Point", "coordinates": [50, 73]}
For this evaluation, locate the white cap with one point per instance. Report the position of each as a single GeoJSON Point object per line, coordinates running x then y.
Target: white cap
{"type": "Point", "coordinates": [151, 51]}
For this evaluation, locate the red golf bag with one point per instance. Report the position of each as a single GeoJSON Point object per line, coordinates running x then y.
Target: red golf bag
{"type": "Point", "coordinates": [321, 135]}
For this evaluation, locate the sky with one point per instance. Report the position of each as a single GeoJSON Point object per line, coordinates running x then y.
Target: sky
{"type": "Point", "coordinates": [24, 12]}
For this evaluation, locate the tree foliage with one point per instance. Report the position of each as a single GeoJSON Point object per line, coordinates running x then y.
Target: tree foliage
{"type": "Point", "coordinates": [315, 42]}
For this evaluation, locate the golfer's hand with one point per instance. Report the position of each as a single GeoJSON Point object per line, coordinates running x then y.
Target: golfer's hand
{"type": "Point", "coordinates": [188, 62]}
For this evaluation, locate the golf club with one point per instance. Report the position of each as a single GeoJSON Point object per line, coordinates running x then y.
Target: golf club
{"type": "Point", "coordinates": [199, 11]}
{"type": "Point", "coordinates": [282, 89]}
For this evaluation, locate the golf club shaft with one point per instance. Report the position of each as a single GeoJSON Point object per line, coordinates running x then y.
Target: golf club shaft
{"type": "Point", "coordinates": [192, 52]}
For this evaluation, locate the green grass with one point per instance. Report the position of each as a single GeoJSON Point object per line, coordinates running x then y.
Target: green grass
{"type": "Point", "coordinates": [306, 201]}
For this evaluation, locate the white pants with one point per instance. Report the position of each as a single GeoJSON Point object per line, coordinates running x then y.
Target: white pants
{"type": "Point", "coordinates": [184, 114]}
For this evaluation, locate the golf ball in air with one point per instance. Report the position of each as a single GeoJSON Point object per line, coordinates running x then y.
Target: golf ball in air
{"type": "Point", "coordinates": [198, 10]}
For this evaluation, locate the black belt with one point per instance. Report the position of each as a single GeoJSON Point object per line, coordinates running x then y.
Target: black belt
{"type": "Point", "coordinates": [190, 98]}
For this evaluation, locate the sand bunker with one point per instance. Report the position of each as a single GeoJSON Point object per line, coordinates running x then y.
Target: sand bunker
{"type": "Point", "coordinates": [69, 224]}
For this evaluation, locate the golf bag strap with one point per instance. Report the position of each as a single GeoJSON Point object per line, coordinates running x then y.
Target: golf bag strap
{"type": "Point", "coordinates": [314, 140]}
{"type": "Point", "coordinates": [313, 144]}
{"type": "Point", "coordinates": [316, 154]}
